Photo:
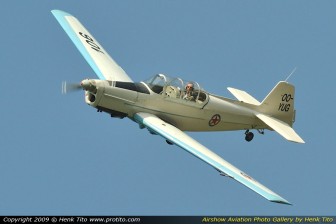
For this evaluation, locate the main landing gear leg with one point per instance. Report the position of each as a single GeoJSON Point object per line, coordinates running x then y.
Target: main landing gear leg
{"type": "Point", "coordinates": [248, 135]}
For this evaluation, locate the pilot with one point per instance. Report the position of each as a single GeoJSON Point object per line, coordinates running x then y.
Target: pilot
{"type": "Point", "coordinates": [189, 92]}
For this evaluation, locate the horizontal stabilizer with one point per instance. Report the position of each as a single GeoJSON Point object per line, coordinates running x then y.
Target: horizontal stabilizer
{"type": "Point", "coordinates": [243, 96]}
{"type": "Point", "coordinates": [281, 127]}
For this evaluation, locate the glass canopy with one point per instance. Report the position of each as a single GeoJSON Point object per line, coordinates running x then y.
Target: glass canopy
{"type": "Point", "coordinates": [176, 88]}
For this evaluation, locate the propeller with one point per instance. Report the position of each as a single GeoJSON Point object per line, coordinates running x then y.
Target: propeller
{"type": "Point", "coordinates": [70, 87]}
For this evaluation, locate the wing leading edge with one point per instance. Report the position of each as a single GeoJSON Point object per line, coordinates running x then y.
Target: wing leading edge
{"type": "Point", "coordinates": [184, 141]}
{"type": "Point", "coordinates": [99, 60]}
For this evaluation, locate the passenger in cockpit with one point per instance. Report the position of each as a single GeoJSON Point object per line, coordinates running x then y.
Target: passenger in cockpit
{"type": "Point", "coordinates": [189, 92]}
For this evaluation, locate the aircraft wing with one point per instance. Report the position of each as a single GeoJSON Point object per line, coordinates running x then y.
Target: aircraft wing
{"type": "Point", "coordinates": [178, 137]}
{"type": "Point", "coordinates": [99, 60]}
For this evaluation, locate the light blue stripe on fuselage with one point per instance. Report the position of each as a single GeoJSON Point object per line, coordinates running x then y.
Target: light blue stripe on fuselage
{"type": "Point", "coordinates": [61, 18]}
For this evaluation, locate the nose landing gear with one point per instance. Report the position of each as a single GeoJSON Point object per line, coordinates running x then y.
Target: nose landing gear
{"type": "Point", "coordinates": [248, 135]}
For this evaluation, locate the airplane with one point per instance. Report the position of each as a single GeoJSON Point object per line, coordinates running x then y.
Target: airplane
{"type": "Point", "coordinates": [169, 106]}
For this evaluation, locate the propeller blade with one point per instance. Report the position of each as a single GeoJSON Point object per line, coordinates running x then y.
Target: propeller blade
{"type": "Point", "coordinates": [70, 87]}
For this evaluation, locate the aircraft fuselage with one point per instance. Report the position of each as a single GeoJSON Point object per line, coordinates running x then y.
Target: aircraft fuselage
{"type": "Point", "coordinates": [213, 113]}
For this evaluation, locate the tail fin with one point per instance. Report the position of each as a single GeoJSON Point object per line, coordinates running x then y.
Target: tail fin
{"type": "Point", "coordinates": [279, 103]}
{"type": "Point", "coordinates": [277, 111]}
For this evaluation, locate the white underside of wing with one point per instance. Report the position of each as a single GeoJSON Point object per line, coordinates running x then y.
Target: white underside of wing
{"type": "Point", "coordinates": [99, 60]}
{"type": "Point", "coordinates": [178, 137]}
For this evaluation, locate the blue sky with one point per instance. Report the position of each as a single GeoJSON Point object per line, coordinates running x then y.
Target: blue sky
{"type": "Point", "coordinates": [59, 157]}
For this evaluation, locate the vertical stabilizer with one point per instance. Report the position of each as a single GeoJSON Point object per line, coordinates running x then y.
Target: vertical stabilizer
{"type": "Point", "coordinates": [279, 103]}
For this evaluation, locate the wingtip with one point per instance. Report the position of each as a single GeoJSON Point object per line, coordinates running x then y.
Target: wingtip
{"type": "Point", "coordinates": [282, 202]}
{"type": "Point", "coordinates": [57, 12]}
{"type": "Point", "coordinates": [300, 141]}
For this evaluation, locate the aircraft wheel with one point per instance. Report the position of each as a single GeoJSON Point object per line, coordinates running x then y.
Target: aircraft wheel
{"type": "Point", "coordinates": [249, 136]}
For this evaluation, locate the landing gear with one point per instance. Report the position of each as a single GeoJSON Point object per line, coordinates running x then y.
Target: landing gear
{"type": "Point", "coordinates": [261, 131]}
{"type": "Point", "coordinates": [248, 135]}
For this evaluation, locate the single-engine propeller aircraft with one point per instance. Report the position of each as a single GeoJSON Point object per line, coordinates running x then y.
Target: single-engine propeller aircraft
{"type": "Point", "coordinates": [169, 106]}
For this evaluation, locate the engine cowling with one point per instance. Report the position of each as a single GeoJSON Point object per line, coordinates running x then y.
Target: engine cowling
{"type": "Point", "coordinates": [93, 90]}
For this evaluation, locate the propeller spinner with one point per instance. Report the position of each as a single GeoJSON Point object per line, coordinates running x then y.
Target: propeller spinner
{"type": "Point", "coordinates": [86, 84]}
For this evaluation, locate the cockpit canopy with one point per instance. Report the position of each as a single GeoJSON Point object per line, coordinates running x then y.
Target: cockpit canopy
{"type": "Point", "coordinates": [176, 88]}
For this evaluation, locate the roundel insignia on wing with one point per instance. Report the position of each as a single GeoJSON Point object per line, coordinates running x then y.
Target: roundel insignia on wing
{"type": "Point", "coordinates": [215, 119]}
